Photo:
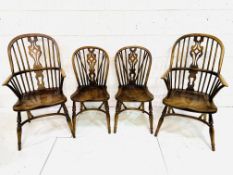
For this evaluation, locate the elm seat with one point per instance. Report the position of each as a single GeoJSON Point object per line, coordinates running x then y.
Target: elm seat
{"type": "Point", "coordinates": [42, 98]}
{"type": "Point", "coordinates": [134, 93]}
{"type": "Point", "coordinates": [90, 93]}
{"type": "Point", "coordinates": [191, 101]}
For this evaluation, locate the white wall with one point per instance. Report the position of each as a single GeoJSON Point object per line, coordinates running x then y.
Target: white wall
{"type": "Point", "coordinates": [155, 24]}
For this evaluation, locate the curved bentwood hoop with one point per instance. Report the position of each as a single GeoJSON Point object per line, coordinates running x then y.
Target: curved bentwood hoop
{"type": "Point", "coordinates": [193, 79]}
{"type": "Point", "coordinates": [133, 64]}
{"type": "Point", "coordinates": [90, 66]}
{"type": "Point", "coordinates": [37, 77]}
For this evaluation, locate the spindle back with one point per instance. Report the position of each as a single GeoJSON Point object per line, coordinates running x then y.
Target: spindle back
{"type": "Point", "coordinates": [133, 65]}
{"type": "Point", "coordinates": [91, 66]}
{"type": "Point", "coordinates": [35, 62]}
{"type": "Point", "coordinates": [196, 61]}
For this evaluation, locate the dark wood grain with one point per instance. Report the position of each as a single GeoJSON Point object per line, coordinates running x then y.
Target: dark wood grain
{"type": "Point", "coordinates": [36, 78]}
{"type": "Point", "coordinates": [90, 66]}
{"type": "Point", "coordinates": [133, 64]}
{"type": "Point", "coordinates": [194, 78]}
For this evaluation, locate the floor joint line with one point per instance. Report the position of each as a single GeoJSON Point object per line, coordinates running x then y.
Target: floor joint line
{"type": "Point", "coordinates": [164, 161]}
{"type": "Point", "coordinates": [47, 158]}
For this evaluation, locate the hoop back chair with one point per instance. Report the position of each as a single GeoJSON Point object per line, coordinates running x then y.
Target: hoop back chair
{"type": "Point", "coordinates": [193, 79]}
{"type": "Point", "coordinates": [133, 64]}
{"type": "Point", "coordinates": [36, 78]}
{"type": "Point", "coordinates": [90, 66]}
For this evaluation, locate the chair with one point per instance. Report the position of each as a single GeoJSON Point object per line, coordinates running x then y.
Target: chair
{"type": "Point", "coordinates": [37, 77]}
{"type": "Point", "coordinates": [193, 79]}
{"type": "Point", "coordinates": [90, 66]}
{"type": "Point", "coordinates": [133, 65]}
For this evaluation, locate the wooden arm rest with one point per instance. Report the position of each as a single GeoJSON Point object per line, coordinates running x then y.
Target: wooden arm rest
{"type": "Point", "coordinates": [7, 80]}
{"type": "Point", "coordinates": [63, 74]}
{"type": "Point", "coordinates": [224, 83]}
{"type": "Point", "coordinates": [164, 76]}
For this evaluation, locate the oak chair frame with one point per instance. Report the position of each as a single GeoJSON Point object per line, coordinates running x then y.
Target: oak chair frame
{"type": "Point", "coordinates": [22, 80]}
{"type": "Point", "coordinates": [91, 66]}
{"type": "Point", "coordinates": [213, 81]}
{"type": "Point", "coordinates": [133, 65]}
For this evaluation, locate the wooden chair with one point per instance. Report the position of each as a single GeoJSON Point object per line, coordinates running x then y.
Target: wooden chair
{"type": "Point", "coordinates": [133, 65]}
{"type": "Point", "coordinates": [193, 79]}
{"type": "Point", "coordinates": [91, 66]}
{"type": "Point", "coordinates": [37, 77]}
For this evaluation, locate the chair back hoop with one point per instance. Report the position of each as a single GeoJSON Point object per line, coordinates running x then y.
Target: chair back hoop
{"type": "Point", "coordinates": [133, 64]}
{"type": "Point", "coordinates": [91, 64]}
{"type": "Point", "coordinates": [196, 61]}
{"type": "Point", "coordinates": [35, 62]}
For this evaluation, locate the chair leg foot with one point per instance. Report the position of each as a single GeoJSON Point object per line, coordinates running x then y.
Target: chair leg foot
{"type": "Point", "coordinates": [74, 126]}
{"type": "Point", "coordinates": [118, 105]}
{"type": "Point", "coordinates": [109, 125]}
{"type": "Point", "coordinates": [68, 119]}
{"type": "Point", "coordinates": [19, 134]}
{"type": "Point", "coordinates": [107, 117]}
{"type": "Point", "coordinates": [160, 121]}
{"type": "Point", "coordinates": [19, 130]}
{"type": "Point", "coordinates": [74, 119]}
{"type": "Point", "coordinates": [211, 131]}
{"type": "Point", "coordinates": [151, 117]}
{"type": "Point", "coordinates": [159, 125]}
{"type": "Point", "coordinates": [212, 138]}
{"type": "Point", "coordinates": [115, 123]}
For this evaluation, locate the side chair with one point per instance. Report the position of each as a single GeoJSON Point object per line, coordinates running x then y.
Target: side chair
{"type": "Point", "coordinates": [90, 66]}
{"type": "Point", "coordinates": [133, 64]}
